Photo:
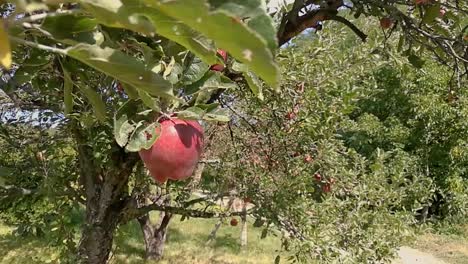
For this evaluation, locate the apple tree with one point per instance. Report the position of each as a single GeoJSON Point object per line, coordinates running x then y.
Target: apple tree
{"type": "Point", "coordinates": [108, 70]}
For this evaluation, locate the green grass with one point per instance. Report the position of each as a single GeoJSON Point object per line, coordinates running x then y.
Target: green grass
{"type": "Point", "coordinates": [185, 244]}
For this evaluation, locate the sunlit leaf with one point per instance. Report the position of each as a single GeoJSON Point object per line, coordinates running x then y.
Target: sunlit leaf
{"type": "Point", "coordinates": [228, 32]}
{"type": "Point", "coordinates": [122, 67]}
{"type": "Point", "coordinates": [5, 50]}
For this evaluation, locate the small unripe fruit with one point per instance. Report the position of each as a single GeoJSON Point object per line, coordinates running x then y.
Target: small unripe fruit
{"type": "Point", "coordinates": [234, 222]}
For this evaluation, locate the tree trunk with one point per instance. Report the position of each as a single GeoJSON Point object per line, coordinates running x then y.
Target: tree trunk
{"type": "Point", "coordinates": [96, 241]}
{"type": "Point", "coordinates": [154, 236]}
{"type": "Point", "coordinates": [243, 237]}
{"type": "Point", "coordinates": [106, 197]}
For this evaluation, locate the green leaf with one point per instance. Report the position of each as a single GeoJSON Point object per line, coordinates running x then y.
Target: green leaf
{"type": "Point", "coordinates": [119, 14]}
{"type": "Point", "coordinates": [191, 113]}
{"type": "Point", "coordinates": [25, 74]}
{"type": "Point", "coordinates": [211, 81]}
{"type": "Point", "coordinates": [135, 16]}
{"type": "Point", "coordinates": [64, 26]}
{"type": "Point", "coordinates": [219, 115]}
{"type": "Point", "coordinates": [204, 112]}
{"type": "Point", "coordinates": [122, 67]}
{"type": "Point", "coordinates": [254, 83]}
{"type": "Point", "coordinates": [416, 61]}
{"type": "Point", "coordinates": [131, 91]}
{"type": "Point", "coordinates": [95, 100]}
{"type": "Point", "coordinates": [227, 31]}
{"type": "Point", "coordinates": [67, 91]}
{"type": "Point", "coordinates": [149, 101]}
{"type": "Point", "coordinates": [172, 29]}
{"type": "Point", "coordinates": [254, 11]}
{"type": "Point", "coordinates": [122, 126]}
{"type": "Point", "coordinates": [194, 70]}
{"type": "Point", "coordinates": [143, 137]}
{"type": "Point", "coordinates": [432, 12]}
{"type": "Point", "coordinates": [37, 57]}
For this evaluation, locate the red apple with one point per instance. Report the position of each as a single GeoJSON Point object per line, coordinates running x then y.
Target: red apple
{"type": "Point", "coordinates": [290, 116]}
{"type": "Point", "coordinates": [176, 152]}
{"type": "Point", "coordinates": [326, 188]}
{"type": "Point", "coordinates": [234, 222]}
{"type": "Point", "coordinates": [219, 67]}
{"type": "Point", "coordinates": [317, 176]}
{"type": "Point", "coordinates": [386, 22]}
{"type": "Point", "coordinates": [421, 2]}
{"type": "Point", "coordinates": [442, 12]}
{"type": "Point", "coordinates": [308, 159]}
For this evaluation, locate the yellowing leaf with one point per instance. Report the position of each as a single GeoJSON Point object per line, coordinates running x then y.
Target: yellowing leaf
{"type": "Point", "coordinates": [5, 51]}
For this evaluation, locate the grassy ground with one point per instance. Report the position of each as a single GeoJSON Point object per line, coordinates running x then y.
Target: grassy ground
{"type": "Point", "coordinates": [186, 244]}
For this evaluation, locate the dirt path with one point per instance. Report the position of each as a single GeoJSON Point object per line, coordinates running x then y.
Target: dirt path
{"type": "Point", "coordinates": [413, 256]}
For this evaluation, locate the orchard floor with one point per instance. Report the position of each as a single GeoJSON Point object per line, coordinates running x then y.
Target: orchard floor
{"type": "Point", "coordinates": [186, 244]}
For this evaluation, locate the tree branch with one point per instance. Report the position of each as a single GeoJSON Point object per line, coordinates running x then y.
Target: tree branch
{"type": "Point", "coordinates": [353, 27]}
{"type": "Point", "coordinates": [132, 213]}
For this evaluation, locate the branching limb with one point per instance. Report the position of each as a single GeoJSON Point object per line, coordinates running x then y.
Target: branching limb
{"type": "Point", "coordinates": [353, 27]}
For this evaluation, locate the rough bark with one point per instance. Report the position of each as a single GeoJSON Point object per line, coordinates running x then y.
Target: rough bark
{"type": "Point", "coordinates": [155, 237]}
{"type": "Point", "coordinates": [105, 192]}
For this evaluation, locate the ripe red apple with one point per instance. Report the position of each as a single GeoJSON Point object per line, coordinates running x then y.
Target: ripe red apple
{"type": "Point", "coordinates": [219, 67]}
{"type": "Point", "coordinates": [317, 176]}
{"type": "Point", "coordinates": [386, 22]}
{"type": "Point", "coordinates": [442, 12]}
{"type": "Point", "coordinates": [234, 222]}
{"type": "Point", "coordinates": [290, 116]}
{"type": "Point", "coordinates": [326, 188]}
{"type": "Point", "coordinates": [176, 152]}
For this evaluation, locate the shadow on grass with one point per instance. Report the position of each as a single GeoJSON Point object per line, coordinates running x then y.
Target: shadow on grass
{"type": "Point", "coordinates": [24, 249]}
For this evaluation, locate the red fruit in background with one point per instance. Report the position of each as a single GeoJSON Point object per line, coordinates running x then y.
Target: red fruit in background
{"type": "Point", "coordinates": [442, 12]}
{"type": "Point", "coordinates": [308, 159]}
{"type": "Point", "coordinates": [176, 152]}
{"type": "Point", "coordinates": [421, 2]}
{"type": "Point", "coordinates": [234, 222]}
{"type": "Point", "coordinates": [317, 177]}
{"type": "Point", "coordinates": [219, 67]}
{"type": "Point", "coordinates": [290, 116]}
{"type": "Point", "coordinates": [247, 200]}
{"type": "Point", "coordinates": [386, 22]}
{"type": "Point", "coordinates": [326, 188]}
